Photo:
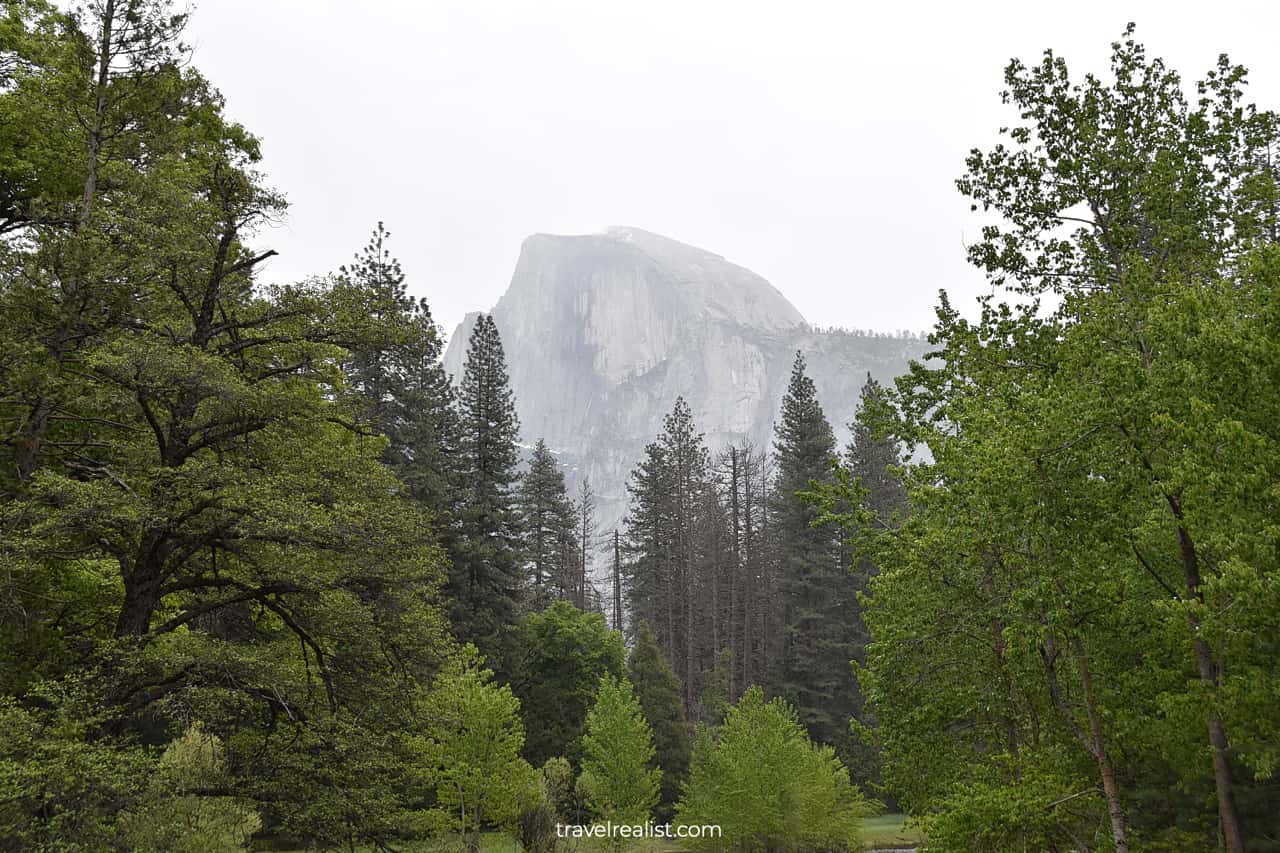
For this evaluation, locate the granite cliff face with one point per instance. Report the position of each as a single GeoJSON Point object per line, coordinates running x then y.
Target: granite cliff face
{"type": "Point", "coordinates": [603, 331]}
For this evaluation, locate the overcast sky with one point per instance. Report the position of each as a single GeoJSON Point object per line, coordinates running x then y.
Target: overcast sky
{"type": "Point", "coordinates": [813, 142]}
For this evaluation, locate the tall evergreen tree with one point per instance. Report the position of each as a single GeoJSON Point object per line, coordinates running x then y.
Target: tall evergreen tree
{"type": "Point", "coordinates": [648, 574]}
{"type": "Point", "coordinates": [749, 600]}
{"type": "Point", "coordinates": [371, 372]}
{"type": "Point", "coordinates": [667, 490]}
{"type": "Point", "coordinates": [548, 520]}
{"type": "Point", "coordinates": [659, 692]}
{"type": "Point", "coordinates": [872, 457]}
{"type": "Point", "coordinates": [485, 582]}
{"type": "Point", "coordinates": [813, 671]}
{"type": "Point", "coordinates": [407, 395]}
{"type": "Point", "coordinates": [870, 461]}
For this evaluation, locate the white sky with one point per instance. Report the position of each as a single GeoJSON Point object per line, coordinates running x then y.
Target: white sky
{"type": "Point", "coordinates": [814, 142]}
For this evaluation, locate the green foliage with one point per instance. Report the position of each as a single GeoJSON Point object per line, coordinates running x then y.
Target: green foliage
{"type": "Point", "coordinates": [558, 784]}
{"type": "Point", "coordinates": [676, 544]}
{"type": "Point", "coordinates": [32, 645]}
{"type": "Point", "coordinates": [658, 691]}
{"type": "Point", "coordinates": [485, 583]}
{"type": "Point", "coordinates": [338, 780]}
{"type": "Point", "coordinates": [865, 498]}
{"type": "Point", "coordinates": [548, 522]}
{"type": "Point", "coordinates": [403, 390]}
{"type": "Point", "coordinates": [470, 752]}
{"type": "Point", "coordinates": [197, 519]}
{"type": "Point", "coordinates": [872, 457]}
{"type": "Point", "coordinates": [817, 594]}
{"type": "Point", "coordinates": [56, 787]}
{"type": "Point", "coordinates": [175, 816]}
{"type": "Point", "coordinates": [618, 778]}
{"type": "Point", "coordinates": [554, 802]}
{"type": "Point", "coordinates": [768, 785]}
{"type": "Point", "coordinates": [982, 816]}
{"type": "Point", "coordinates": [1072, 630]}
{"type": "Point", "coordinates": [60, 789]}
{"type": "Point", "coordinates": [562, 654]}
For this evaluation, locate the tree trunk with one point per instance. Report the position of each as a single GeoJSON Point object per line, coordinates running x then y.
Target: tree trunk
{"type": "Point", "coordinates": [1207, 669]}
{"type": "Point", "coordinates": [141, 596]}
{"type": "Point", "coordinates": [31, 437]}
{"type": "Point", "coordinates": [766, 594]}
{"type": "Point", "coordinates": [688, 640]}
{"type": "Point", "coordinates": [734, 572]}
{"type": "Point", "coordinates": [617, 582]}
{"type": "Point", "coordinates": [28, 442]}
{"type": "Point", "coordinates": [1092, 741]}
{"type": "Point", "coordinates": [1110, 790]}
{"type": "Point", "coordinates": [142, 581]}
{"type": "Point", "coordinates": [1231, 831]}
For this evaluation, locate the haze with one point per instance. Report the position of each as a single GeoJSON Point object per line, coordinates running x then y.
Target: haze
{"type": "Point", "coordinates": [815, 143]}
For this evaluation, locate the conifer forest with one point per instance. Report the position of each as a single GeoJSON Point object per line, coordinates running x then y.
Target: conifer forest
{"type": "Point", "coordinates": [273, 578]}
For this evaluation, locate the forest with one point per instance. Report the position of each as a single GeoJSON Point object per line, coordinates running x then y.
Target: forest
{"type": "Point", "coordinates": [270, 579]}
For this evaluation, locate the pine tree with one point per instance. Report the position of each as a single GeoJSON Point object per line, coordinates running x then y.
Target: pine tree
{"type": "Point", "coordinates": [547, 518]}
{"type": "Point", "coordinates": [407, 395]}
{"type": "Point", "coordinates": [813, 671]}
{"type": "Point", "coordinates": [485, 581]}
{"type": "Point", "coordinates": [618, 777]}
{"type": "Point", "coordinates": [659, 693]}
{"type": "Point", "coordinates": [664, 579]}
{"type": "Point", "coordinates": [371, 371]}
{"type": "Point", "coordinates": [749, 602]}
{"type": "Point", "coordinates": [647, 581]}
{"type": "Point", "coordinates": [870, 459]}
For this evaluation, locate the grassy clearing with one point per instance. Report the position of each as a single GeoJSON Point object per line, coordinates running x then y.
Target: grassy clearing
{"type": "Point", "coordinates": [887, 830]}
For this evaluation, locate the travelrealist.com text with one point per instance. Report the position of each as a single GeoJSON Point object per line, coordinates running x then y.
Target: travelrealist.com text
{"type": "Point", "coordinates": [648, 829]}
